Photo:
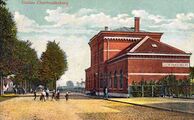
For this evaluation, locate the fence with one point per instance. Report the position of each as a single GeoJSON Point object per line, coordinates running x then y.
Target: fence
{"type": "Point", "coordinates": [184, 91]}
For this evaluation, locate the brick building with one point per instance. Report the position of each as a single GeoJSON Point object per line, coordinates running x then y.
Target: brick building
{"type": "Point", "coordinates": [123, 55]}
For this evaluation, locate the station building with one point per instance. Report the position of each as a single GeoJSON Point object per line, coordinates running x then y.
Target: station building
{"type": "Point", "coordinates": [124, 55]}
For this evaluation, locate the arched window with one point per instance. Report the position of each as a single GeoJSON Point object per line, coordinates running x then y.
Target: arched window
{"type": "Point", "coordinates": [115, 79]}
{"type": "Point", "coordinates": [101, 81]}
{"type": "Point", "coordinates": [121, 79]}
{"type": "Point", "coordinates": [94, 79]}
{"type": "Point", "coordinates": [110, 80]}
{"type": "Point", "coordinates": [106, 79]}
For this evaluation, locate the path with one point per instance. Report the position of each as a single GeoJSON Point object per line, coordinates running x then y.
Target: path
{"type": "Point", "coordinates": [78, 108]}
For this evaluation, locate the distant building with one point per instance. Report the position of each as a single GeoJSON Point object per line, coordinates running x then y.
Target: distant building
{"type": "Point", "coordinates": [8, 85]}
{"type": "Point", "coordinates": [82, 84]}
{"type": "Point", "coordinates": [123, 55]}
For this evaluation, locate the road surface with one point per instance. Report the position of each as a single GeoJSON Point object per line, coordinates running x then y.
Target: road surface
{"type": "Point", "coordinates": [81, 108]}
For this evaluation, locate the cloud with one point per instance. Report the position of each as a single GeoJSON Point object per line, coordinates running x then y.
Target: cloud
{"type": "Point", "coordinates": [181, 22]}
{"type": "Point", "coordinates": [73, 31]}
{"type": "Point", "coordinates": [185, 17]}
{"type": "Point", "coordinates": [147, 16]}
{"type": "Point", "coordinates": [92, 20]}
{"type": "Point", "coordinates": [86, 17]}
{"type": "Point", "coordinates": [24, 24]}
{"type": "Point", "coordinates": [86, 11]}
{"type": "Point", "coordinates": [181, 40]}
{"type": "Point", "coordinates": [78, 56]}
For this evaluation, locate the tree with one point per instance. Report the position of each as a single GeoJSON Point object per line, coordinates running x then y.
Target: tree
{"type": "Point", "coordinates": [16, 57]}
{"type": "Point", "coordinates": [8, 39]}
{"type": "Point", "coordinates": [191, 75]}
{"type": "Point", "coordinates": [69, 83]}
{"type": "Point", "coordinates": [26, 63]}
{"type": "Point", "coordinates": [53, 64]}
{"type": "Point", "coordinates": [2, 3]}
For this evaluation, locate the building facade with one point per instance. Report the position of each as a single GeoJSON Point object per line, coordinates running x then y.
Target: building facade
{"type": "Point", "coordinates": [124, 55]}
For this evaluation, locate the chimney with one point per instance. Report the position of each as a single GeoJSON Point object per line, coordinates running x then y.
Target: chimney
{"type": "Point", "coordinates": [106, 28]}
{"type": "Point", "coordinates": [137, 22]}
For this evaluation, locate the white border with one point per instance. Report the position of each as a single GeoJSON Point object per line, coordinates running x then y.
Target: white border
{"type": "Point", "coordinates": [159, 54]}
{"type": "Point", "coordinates": [138, 58]}
{"type": "Point", "coordinates": [179, 74]}
{"type": "Point", "coordinates": [122, 38]}
{"type": "Point", "coordinates": [112, 50]}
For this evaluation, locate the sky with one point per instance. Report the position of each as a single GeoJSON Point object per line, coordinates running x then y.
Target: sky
{"type": "Point", "coordinates": [73, 22]}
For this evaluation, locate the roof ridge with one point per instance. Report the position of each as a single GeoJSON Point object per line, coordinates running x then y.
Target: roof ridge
{"type": "Point", "coordinates": [139, 44]}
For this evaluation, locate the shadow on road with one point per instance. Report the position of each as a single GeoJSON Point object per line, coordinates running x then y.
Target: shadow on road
{"type": "Point", "coordinates": [3, 98]}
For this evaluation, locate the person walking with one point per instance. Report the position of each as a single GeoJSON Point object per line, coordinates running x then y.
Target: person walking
{"type": "Point", "coordinates": [106, 93]}
{"type": "Point", "coordinates": [67, 96]}
{"type": "Point", "coordinates": [53, 94]}
{"type": "Point", "coordinates": [47, 94]}
{"type": "Point", "coordinates": [58, 95]}
{"type": "Point", "coordinates": [41, 95]}
{"type": "Point", "coordinates": [44, 95]}
{"type": "Point", "coordinates": [34, 94]}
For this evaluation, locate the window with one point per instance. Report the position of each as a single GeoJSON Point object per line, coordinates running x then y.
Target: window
{"type": "Point", "coordinates": [101, 80]}
{"type": "Point", "coordinates": [110, 80]}
{"type": "Point", "coordinates": [101, 83]}
{"type": "Point", "coordinates": [121, 79]}
{"type": "Point", "coordinates": [105, 80]}
{"type": "Point", "coordinates": [154, 45]}
{"type": "Point", "coordinates": [115, 79]}
{"type": "Point", "coordinates": [101, 55]}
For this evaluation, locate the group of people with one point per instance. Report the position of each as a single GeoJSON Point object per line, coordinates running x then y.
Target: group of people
{"type": "Point", "coordinates": [45, 95]}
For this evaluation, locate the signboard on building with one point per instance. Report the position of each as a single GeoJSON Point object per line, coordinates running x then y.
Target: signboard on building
{"type": "Point", "coordinates": [175, 64]}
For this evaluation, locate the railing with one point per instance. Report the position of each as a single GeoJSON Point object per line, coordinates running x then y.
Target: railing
{"type": "Point", "coordinates": [183, 91]}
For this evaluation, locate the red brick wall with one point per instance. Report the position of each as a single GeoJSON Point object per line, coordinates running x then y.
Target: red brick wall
{"type": "Point", "coordinates": [122, 65]}
{"type": "Point", "coordinates": [153, 66]}
{"type": "Point", "coordinates": [100, 55]}
{"type": "Point", "coordinates": [115, 46]}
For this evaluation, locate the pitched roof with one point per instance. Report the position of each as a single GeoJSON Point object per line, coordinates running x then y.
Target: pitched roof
{"type": "Point", "coordinates": [126, 29]}
{"type": "Point", "coordinates": [127, 49]}
{"type": "Point", "coordinates": [148, 45]}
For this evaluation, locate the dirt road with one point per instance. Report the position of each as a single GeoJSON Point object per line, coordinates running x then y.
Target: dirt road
{"type": "Point", "coordinates": [80, 108]}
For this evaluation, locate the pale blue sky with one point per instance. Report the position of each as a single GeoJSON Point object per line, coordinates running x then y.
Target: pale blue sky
{"type": "Point", "coordinates": [75, 24]}
{"type": "Point", "coordinates": [168, 8]}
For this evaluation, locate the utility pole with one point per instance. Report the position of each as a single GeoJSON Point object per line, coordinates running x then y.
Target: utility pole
{"type": "Point", "coordinates": [1, 84]}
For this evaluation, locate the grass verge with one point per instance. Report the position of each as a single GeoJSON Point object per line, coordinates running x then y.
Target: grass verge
{"type": "Point", "coordinates": [7, 96]}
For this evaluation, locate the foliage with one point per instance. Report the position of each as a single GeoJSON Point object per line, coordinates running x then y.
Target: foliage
{"type": "Point", "coordinates": [16, 57]}
{"type": "Point", "coordinates": [136, 89]}
{"type": "Point", "coordinates": [8, 39]}
{"type": "Point", "coordinates": [26, 61]}
{"type": "Point", "coordinates": [168, 86]}
{"type": "Point", "coordinates": [53, 64]}
{"type": "Point", "coordinates": [191, 75]}
{"type": "Point", "coordinates": [2, 3]}
{"type": "Point", "coordinates": [69, 84]}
